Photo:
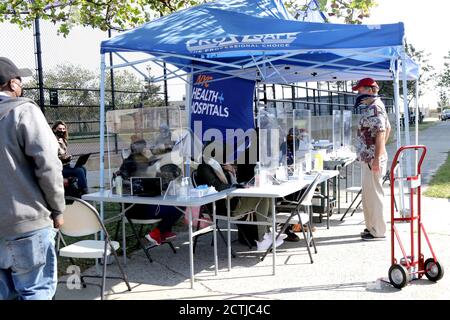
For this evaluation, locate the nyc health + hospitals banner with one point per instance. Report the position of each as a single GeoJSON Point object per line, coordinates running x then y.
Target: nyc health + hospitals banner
{"type": "Point", "coordinates": [221, 104]}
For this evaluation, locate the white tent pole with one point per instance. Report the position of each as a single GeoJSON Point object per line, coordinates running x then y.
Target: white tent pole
{"type": "Point", "coordinates": [102, 133]}
{"type": "Point", "coordinates": [417, 124]}
{"type": "Point", "coordinates": [406, 110]}
{"type": "Point", "coordinates": [397, 107]}
{"type": "Point", "coordinates": [188, 105]}
{"type": "Point", "coordinates": [399, 135]}
{"type": "Point", "coordinates": [102, 122]}
{"type": "Point", "coordinates": [417, 111]}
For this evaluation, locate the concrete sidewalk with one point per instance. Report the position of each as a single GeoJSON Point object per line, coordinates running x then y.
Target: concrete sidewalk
{"type": "Point", "coordinates": [437, 141]}
{"type": "Point", "coordinates": [344, 268]}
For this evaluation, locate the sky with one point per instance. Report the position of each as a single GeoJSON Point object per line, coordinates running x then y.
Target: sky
{"type": "Point", "coordinates": [425, 22]}
{"type": "Point", "coordinates": [426, 27]}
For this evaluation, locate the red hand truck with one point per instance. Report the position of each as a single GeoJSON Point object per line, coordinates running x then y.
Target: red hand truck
{"type": "Point", "coordinates": [412, 266]}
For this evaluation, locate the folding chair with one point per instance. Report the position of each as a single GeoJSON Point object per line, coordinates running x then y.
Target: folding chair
{"type": "Point", "coordinates": [304, 219]}
{"type": "Point", "coordinates": [82, 219]}
{"type": "Point", "coordinates": [358, 191]}
{"type": "Point", "coordinates": [204, 211]}
{"type": "Point", "coordinates": [138, 235]}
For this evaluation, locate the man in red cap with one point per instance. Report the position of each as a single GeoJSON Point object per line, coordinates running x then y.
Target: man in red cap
{"type": "Point", "coordinates": [373, 132]}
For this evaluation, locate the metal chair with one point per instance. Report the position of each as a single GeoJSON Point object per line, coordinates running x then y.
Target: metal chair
{"type": "Point", "coordinates": [204, 211]}
{"type": "Point", "coordinates": [81, 219]}
{"type": "Point", "coordinates": [358, 191]}
{"type": "Point", "coordinates": [138, 234]}
{"type": "Point", "coordinates": [294, 216]}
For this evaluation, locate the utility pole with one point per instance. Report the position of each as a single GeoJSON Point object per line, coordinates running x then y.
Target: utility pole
{"type": "Point", "coordinates": [38, 53]}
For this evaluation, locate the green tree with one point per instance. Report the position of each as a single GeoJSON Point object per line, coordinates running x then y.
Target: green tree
{"type": "Point", "coordinates": [131, 90]}
{"type": "Point", "coordinates": [351, 11]}
{"type": "Point", "coordinates": [426, 75]}
{"type": "Point", "coordinates": [444, 78]}
{"type": "Point", "coordinates": [443, 102]}
{"type": "Point", "coordinates": [121, 15]}
{"type": "Point", "coordinates": [78, 94]}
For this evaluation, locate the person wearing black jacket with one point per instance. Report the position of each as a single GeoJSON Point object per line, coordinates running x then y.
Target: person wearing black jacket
{"type": "Point", "coordinates": [136, 165]}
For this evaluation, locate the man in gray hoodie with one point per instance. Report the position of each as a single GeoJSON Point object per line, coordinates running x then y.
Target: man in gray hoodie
{"type": "Point", "coordinates": [31, 193]}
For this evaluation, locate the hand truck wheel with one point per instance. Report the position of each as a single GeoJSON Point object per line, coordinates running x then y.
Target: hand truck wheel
{"type": "Point", "coordinates": [434, 271]}
{"type": "Point", "coordinates": [399, 276]}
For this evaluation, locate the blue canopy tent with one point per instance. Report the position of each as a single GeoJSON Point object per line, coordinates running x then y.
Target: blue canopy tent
{"type": "Point", "coordinates": [259, 40]}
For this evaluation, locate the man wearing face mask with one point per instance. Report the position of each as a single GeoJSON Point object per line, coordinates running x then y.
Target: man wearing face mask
{"type": "Point", "coordinates": [31, 193]}
{"type": "Point", "coordinates": [373, 133]}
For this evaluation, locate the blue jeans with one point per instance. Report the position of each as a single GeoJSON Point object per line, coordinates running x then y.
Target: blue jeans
{"type": "Point", "coordinates": [79, 173]}
{"type": "Point", "coordinates": [168, 215]}
{"type": "Point", "coordinates": [28, 266]}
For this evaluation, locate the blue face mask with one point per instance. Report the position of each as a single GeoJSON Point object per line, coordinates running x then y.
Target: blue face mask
{"type": "Point", "coordinates": [361, 97]}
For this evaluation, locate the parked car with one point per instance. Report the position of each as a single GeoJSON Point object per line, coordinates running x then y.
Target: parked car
{"type": "Point", "coordinates": [445, 115]}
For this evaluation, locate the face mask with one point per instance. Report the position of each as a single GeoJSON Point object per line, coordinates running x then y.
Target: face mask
{"type": "Point", "coordinates": [60, 134]}
{"type": "Point", "coordinates": [147, 153]}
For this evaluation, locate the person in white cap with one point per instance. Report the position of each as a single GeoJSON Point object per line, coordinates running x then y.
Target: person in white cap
{"type": "Point", "coordinates": [373, 133]}
{"type": "Point", "coordinates": [31, 193]}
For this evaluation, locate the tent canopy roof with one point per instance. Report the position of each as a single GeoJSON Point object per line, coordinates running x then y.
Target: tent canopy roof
{"type": "Point", "coordinates": [259, 39]}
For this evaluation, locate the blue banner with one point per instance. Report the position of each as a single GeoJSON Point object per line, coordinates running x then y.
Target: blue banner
{"type": "Point", "coordinates": [221, 105]}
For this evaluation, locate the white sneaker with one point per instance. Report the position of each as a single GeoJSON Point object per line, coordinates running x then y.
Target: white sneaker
{"type": "Point", "coordinates": [151, 240]}
{"type": "Point", "coordinates": [266, 243]}
{"type": "Point", "coordinates": [268, 235]}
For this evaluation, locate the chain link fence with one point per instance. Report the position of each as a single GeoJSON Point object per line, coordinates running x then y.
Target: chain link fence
{"type": "Point", "coordinates": [80, 107]}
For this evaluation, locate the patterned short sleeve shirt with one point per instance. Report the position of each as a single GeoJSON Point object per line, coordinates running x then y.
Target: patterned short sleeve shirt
{"type": "Point", "coordinates": [374, 119]}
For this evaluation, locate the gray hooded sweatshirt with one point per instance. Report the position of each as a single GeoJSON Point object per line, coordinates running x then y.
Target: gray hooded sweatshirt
{"type": "Point", "coordinates": [31, 182]}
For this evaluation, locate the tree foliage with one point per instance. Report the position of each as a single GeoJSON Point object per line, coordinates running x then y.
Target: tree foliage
{"type": "Point", "coordinates": [351, 11]}
{"type": "Point", "coordinates": [443, 84]}
{"type": "Point", "coordinates": [79, 98]}
{"type": "Point", "coordinates": [426, 75]}
{"type": "Point", "coordinates": [122, 15]}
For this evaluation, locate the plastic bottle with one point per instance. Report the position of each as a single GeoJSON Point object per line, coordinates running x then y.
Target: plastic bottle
{"type": "Point", "coordinates": [307, 163]}
{"type": "Point", "coordinates": [119, 184]}
{"type": "Point", "coordinates": [184, 188]}
{"type": "Point", "coordinates": [257, 175]}
{"type": "Point", "coordinates": [319, 158]}
{"type": "Point", "coordinates": [318, 161]}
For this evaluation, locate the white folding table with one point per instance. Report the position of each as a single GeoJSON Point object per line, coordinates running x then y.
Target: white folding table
{"type": "Point", "coordinates": [272, 192]}
{"type": "Point", "coordinates": [107, 196]}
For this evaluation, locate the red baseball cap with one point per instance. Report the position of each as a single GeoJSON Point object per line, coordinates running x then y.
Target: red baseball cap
{"type": "Point", "coordinates": [366, 82]}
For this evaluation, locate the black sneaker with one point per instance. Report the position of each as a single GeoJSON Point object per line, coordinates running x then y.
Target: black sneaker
{"type": "Point", "coordinates": [366, 231]}
{"type": "Point", "coordinates": [291, 236]}
{"type": "Point", "coordinates": [370, 237]}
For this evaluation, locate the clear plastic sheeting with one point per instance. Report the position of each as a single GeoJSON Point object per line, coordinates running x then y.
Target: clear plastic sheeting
{"type": "Point", "coordinates": [150, 140]}
{"type": "Point", "coordinates": [337, 139]}
{"type": "Point", "coordinates": [272, 141]}
{"type": "Point", "coordinates": [301, 144]}
{"type": "Point", "coordinates": [347, 130]}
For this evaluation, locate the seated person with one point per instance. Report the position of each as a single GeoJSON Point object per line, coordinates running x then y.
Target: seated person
{"type": "Point", "coordinates": [163, 143]}
{"type": "Point", "coordinates": [136, 165]}
{"type": "Point", "coordinates": [62, 135]}
{"type": "Point", "coordinates": [302, 145]}
{"type": "Point", "coordinates": [222, 177]}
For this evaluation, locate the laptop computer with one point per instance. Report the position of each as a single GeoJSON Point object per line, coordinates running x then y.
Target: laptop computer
{"type": "Point", "coordinates": [146, 187]}
{"type": "Point", "coordinates": [81, 161]}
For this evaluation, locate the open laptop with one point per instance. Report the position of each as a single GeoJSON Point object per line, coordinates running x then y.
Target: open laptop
{"type": "Point", "coordinates": [146, 187]}
{"type": "Point", "coordinates": [81, 161]}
